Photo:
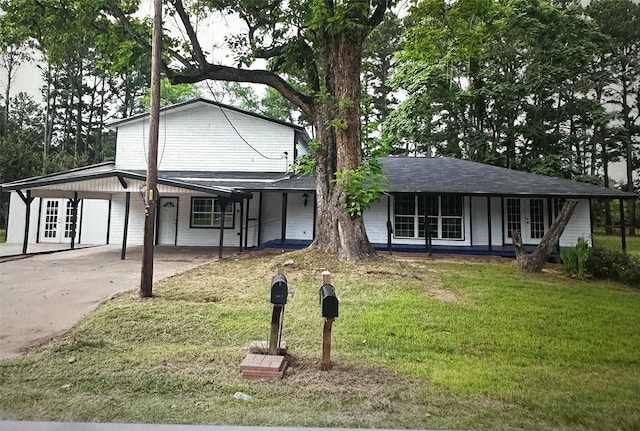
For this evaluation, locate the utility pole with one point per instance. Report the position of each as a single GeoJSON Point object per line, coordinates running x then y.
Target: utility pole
{"type": "Point", "coordinates": [151, 195]}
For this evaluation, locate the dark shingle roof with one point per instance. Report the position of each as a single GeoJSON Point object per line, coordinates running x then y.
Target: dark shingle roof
{"type": "Point", "coordinates": [456, 176]}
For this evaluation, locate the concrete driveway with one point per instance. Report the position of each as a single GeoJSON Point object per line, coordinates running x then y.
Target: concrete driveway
{"type": "Point", "coordinates": [43, 296]}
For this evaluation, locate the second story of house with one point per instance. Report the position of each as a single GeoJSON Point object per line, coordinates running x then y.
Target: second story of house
{"type": "Point", "coordinates": [202, 135]}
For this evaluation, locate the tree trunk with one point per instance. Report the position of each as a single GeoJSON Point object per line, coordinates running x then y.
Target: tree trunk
{"type": "Point", "coordinates": [535, 261]}
{"type": "Point", "coordinates": [340, 149]}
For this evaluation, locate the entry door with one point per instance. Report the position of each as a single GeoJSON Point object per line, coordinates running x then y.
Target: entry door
{"type": "Point", "coordinates": [529, 216]}
{"type": "Point", "coordinates": [167, 221]}
{"type": "Point", "coordinates": [57, 221]}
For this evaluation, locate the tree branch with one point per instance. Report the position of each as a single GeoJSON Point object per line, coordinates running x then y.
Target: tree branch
{"type": "Point", "coordinates": [378, 14]}
{"type": "Point", "coordinates": [232, 74]}
{"type": "Point", "coordinates": [193, 37]}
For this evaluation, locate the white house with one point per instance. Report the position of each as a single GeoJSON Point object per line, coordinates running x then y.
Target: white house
{"type": "Point", "coordinates": [224, 178]}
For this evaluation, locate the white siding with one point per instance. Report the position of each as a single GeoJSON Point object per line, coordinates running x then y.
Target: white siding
{"type": "Point", "coordinates": [578, 226]}
{"type": "Point", "coordinates": [480, 225]}
{"type": "Point", "coordinates": [203, 139]}
{"type": "Point", "coordinates": [136, 219]}
{"type": "Point", "coordinates": [497, 233]}
{"type": "Point", "coordinates": [271, 216]}
{"type": "Point", "coordinates": [375, 221]}
{"type": "Point", "coordinates": [17, 212]}
{"type": "Point", "coordinates": [205, 236]}
{"type": "Point", "coordinates": [299, 217]}
{"type": "Point", "coordinates": [94, 221]}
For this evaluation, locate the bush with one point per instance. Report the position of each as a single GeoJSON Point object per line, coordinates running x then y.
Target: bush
{"type": "Point", "coordinates": [574, 259]}
{"type": "Point", "coordinates": [613, 265]}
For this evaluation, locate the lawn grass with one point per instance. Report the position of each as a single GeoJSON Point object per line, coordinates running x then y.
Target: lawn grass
{"type": "Point", "coordinates": [3, 235]}
{"type": "Point", "coordinates": [418, 344]}
{"type": "Point", "coordinates": [613, 242]}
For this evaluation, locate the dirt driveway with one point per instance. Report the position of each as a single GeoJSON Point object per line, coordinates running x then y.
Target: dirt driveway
{"type": "Point", "coordinates": [43, 296]}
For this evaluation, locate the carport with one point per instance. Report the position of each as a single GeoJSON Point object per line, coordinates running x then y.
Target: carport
{"type": "Point", "coordinates": [103, 181]}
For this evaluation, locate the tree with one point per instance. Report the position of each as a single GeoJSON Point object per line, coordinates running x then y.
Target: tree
{"type": "Point", "coordinates": [317, 45]}
{"type": "Point", "coordinates": [620, 20]}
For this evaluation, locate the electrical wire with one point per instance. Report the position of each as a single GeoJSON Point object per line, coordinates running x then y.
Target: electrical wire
{"type": "Point", "coordinates": [245, 141]}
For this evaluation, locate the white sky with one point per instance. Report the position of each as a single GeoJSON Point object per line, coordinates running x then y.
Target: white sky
{"type": "Point", "coordinates": [211, 35]}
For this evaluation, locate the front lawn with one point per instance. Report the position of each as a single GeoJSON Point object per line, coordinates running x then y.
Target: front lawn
{"type": "Point", "coordinates": [421, 344]}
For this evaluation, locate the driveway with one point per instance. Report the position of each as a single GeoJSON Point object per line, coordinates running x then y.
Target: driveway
{"type": "Point", "coordinates": [43, 296]}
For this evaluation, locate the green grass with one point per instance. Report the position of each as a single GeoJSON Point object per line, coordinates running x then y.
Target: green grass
{"type": "Point", "coordinates": [3, 235]}
{"type": "Point", "coordinates": [432, 344]}
{"type": "Point", "coordinates": [613, 242]}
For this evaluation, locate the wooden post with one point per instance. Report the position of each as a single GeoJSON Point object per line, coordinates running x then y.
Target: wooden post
{"type": "Point", "coordinates": [274, 336]}
{"type": "Point", "coordinates": [151, 194]}
{"type": "Point", "coordinates": [325, 363]}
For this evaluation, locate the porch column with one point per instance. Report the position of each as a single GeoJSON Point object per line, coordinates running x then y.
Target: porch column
{"type": "Point", "coordinates": [389, 224]}
{"type": "Point", "coordinates": [283, 232]}
{"type": "Point", "coordinates": [127, 205]}
{"type": "Point", "coordinates": [74, 219]}
{"type": "Point", "coordinates": [246, 225]}
{"type": "Point", "coordinates": [241, 220]}
{"type": "Point", "coordinates": [489, 223]}
{"type": "Point", "coordinates": [623, 234]}
{"type": "Point", "coordinates": [27, 201]}
{"type": "Point", "coordinates": [223, 208]}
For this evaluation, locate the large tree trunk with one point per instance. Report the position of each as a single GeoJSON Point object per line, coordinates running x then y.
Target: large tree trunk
{"type": "Point", "coordinates": [340, 149]}
{"type": "Point", "coordinates": [535, 261]}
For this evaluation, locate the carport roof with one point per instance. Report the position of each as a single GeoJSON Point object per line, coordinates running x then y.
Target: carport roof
{"type": "Point", "coordinates": [108, 170]}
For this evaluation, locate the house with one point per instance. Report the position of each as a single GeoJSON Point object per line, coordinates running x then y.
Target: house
{"type": "Point", "coordinates": [225, 179]}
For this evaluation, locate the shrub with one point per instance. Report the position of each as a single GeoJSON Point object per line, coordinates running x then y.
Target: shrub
{"type": "Point", "coordinates": [574, 259]}
{"type": "Point", "coordinates": [613, 265]}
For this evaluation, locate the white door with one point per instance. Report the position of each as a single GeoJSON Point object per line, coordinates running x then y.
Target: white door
{"type": "Point", "coordinates": [528, 216]}
{"type": "Point", "coordinates": [167, 221]}
{"type": "Point", "coordinates": [57, 221]}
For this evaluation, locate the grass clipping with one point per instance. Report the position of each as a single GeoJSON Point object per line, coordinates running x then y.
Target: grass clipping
{"type": "Point", "coordinates": [417, 345]}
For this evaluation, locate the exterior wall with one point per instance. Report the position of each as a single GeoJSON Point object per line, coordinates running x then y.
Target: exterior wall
{"type": "Point", "coordinates": [92, 220]}
{"type": "Point", "coordinates": [479, 224]}
{"type": "Point", "coordinates": [375, 222]}
{"type": "Point", "coordinates": [17, 212]}
{"type": "Point", "coordinates": [375, 219]}
{"type": "Point", "coordinates": [202, 139]}
{"type": "Point", "coordinates": [299, 217]}
{"type": "Point", "coordinates": [271, 216]}
{"type": "Point", "coordinates": [578, 226]}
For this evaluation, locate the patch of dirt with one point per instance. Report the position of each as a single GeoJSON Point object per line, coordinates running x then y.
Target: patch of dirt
{"type": "Point", "coordinates": [443, 295]}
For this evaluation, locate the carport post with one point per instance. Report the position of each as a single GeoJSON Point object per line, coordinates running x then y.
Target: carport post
{"type": "Point", "coordinates": [74, 219]}
{"type": "Point", "coordinates": [623, 234]}
{"type": "Point", "coordinates": [223, 208]}
{"type": "Point", "coordinates": [27, 201]}
{"type": "Point", "coordinates": [123, 252]}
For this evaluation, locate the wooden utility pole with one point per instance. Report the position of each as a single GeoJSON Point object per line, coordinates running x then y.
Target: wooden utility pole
{"type": "Point", "coordinates": [151, 195]}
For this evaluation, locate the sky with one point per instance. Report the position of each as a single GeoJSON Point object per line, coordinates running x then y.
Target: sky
{"type": "Point", "coordinates": [211, 34]}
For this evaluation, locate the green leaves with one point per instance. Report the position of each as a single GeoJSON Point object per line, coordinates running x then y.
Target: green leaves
{"type": "Point", "coordinates": [362, 186]}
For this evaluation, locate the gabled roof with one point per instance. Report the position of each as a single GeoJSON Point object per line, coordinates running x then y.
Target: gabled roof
{"type": "Point", "coordinates": [444, 175]}
{"type": "Point", "coordinates": [194, 103]}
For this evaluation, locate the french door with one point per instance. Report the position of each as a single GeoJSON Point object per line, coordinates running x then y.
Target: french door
{"type": "Point", "coordinates": [56, 221]}
{"type": "Point", "coordinates": [529, 216]}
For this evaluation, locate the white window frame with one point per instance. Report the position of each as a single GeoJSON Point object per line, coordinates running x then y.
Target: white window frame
{"type": "Point", "coordinates": [215, 213]}
{"type": "Point", "coordinates": [417, 218]}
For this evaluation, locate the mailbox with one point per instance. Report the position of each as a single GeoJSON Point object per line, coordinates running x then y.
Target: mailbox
{"type": "Point", "coordinates": [279, 290]}
{"type": "Point", "coordinates": [328, 301]}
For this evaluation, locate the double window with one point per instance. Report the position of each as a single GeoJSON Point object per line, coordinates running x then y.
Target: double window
{"type": "Point", "coordinates": [206, 212]}
{"type": "Point", "coordinates": [444, 216]}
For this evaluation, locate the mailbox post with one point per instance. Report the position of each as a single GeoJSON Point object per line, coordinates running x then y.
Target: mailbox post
{"type": "Point", "coordinates": [279, 294]}
{"type": "Point", "coordinates": [329, 308]}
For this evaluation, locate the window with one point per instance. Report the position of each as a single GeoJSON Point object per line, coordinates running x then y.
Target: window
{"type": "Point", "coordinates": [206, 212]}
{"type": "Point", "coordinates": [444, 216]}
